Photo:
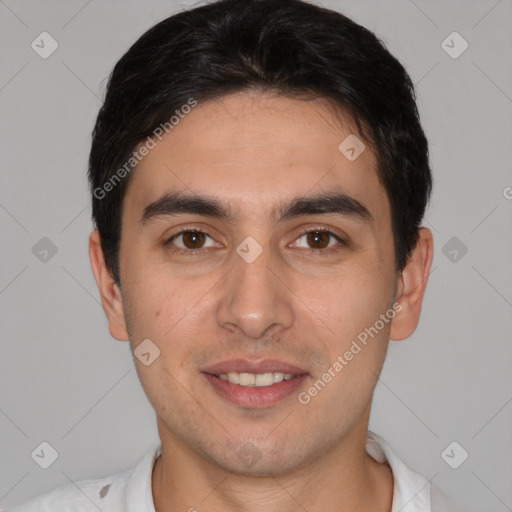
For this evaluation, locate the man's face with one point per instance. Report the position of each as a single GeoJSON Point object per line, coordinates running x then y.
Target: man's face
{"type": "Point", "coordinates": [209, 307]}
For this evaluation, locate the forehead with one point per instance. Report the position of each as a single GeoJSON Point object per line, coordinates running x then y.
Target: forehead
{"type": "Point", "coordinates": [255, 150]}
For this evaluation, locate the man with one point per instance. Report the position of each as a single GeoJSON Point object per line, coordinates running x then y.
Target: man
{"type": "Point", "coordinates": [259, 176]}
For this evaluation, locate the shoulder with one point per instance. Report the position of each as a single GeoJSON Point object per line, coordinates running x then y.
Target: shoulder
{"type": "Point", "coordinates": [127, 490]}
{"type": "Point", "coordinates": [105, 494]}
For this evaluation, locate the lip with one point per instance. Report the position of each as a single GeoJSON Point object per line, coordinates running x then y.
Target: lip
{"type": "Point", "coordinates": [254, 397]}
{"type": "Point", "coordinates": [247, 366]}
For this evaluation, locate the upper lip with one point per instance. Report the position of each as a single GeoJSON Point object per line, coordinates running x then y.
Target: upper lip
{"type": "Point", "coordinates": [247, 366]}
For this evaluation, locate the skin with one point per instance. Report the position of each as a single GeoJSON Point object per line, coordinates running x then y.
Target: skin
{"type": "Point", "coordinates": [253, 151]}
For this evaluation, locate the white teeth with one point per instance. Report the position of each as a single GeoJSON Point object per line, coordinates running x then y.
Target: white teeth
{"type": "Point", "coordinates": [233, 378]}
{"type": "Point", "coordinates": [264, 379]}
{"type": "Point", "coordinates": [246, 379]}
{"type": "Point", "coordinates": [278, 376]}
{"type": "Point", "coordinates": [255, 380]}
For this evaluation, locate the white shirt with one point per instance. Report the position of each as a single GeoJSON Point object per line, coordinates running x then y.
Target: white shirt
{"type": "Point", "coordinates": [130, 490]}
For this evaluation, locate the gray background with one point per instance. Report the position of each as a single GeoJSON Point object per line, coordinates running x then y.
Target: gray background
{"type": "Point", "coordinates": [65, 381]}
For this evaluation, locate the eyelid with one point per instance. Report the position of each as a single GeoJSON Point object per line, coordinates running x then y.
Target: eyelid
{"type": "Point", "coordinates": [192, 227]}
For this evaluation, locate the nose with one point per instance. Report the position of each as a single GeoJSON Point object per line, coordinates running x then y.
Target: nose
{"type": "Point", "coordinates": [255, 299]}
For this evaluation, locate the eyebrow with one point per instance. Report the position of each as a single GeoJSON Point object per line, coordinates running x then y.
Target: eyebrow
{"type": "Point", "coordinates": [172, 204]}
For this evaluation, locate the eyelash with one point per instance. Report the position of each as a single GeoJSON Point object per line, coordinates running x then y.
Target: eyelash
{"type": "Point", "coordinates": [193, 252]}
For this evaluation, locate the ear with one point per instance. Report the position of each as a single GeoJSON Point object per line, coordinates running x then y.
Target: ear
{"type": "Point", "coordinates": [110, 293]}
{"type": "Point", "coordinates": [411, 287]}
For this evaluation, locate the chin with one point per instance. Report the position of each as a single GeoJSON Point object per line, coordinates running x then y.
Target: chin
{"type": "Point", "coordinates": [258, 459]}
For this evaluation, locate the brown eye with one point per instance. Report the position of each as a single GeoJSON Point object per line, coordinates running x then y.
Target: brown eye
{"type": "Point", "coordinates": [193, 239]}
{"type": "Point", "coordinates": [318, 239]}
{"type": "Point", "coordinates": [190, 240]}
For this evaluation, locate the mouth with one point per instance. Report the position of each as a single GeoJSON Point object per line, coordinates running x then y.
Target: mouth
{"type": "Point", "coordinates": [259, 380]}
{"type": "Point", "coordinates": [254, 384]}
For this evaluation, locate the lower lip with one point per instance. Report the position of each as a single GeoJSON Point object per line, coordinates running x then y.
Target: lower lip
{"type": "Point", "coordinates": [255, 397]}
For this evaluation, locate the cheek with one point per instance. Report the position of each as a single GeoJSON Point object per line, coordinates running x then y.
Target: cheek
{"type": "Point", "coordinates": [358, 311]}
{"type": "Point", "coordinates": [348, 302]}
{"type": "Point", "coordinates": [166, 309]}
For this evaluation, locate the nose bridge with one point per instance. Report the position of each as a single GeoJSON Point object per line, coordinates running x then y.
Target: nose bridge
{"type": "Point", "coordinates": [253, 299]}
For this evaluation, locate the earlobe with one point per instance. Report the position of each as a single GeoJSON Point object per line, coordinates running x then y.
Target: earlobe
{"type": "Point", "coordinates": [411, 287]}
{"type": "Point", "coordinates": [110, 293]}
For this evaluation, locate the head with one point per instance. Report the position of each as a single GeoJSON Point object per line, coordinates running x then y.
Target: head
{"type": "Point", "coordinates": [288, 139]}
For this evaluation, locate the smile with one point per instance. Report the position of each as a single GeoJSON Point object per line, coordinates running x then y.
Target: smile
{"type": "Point", "coordinates": [258, 380]}
{"type": "Point", "coordinates": [258, 395]}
